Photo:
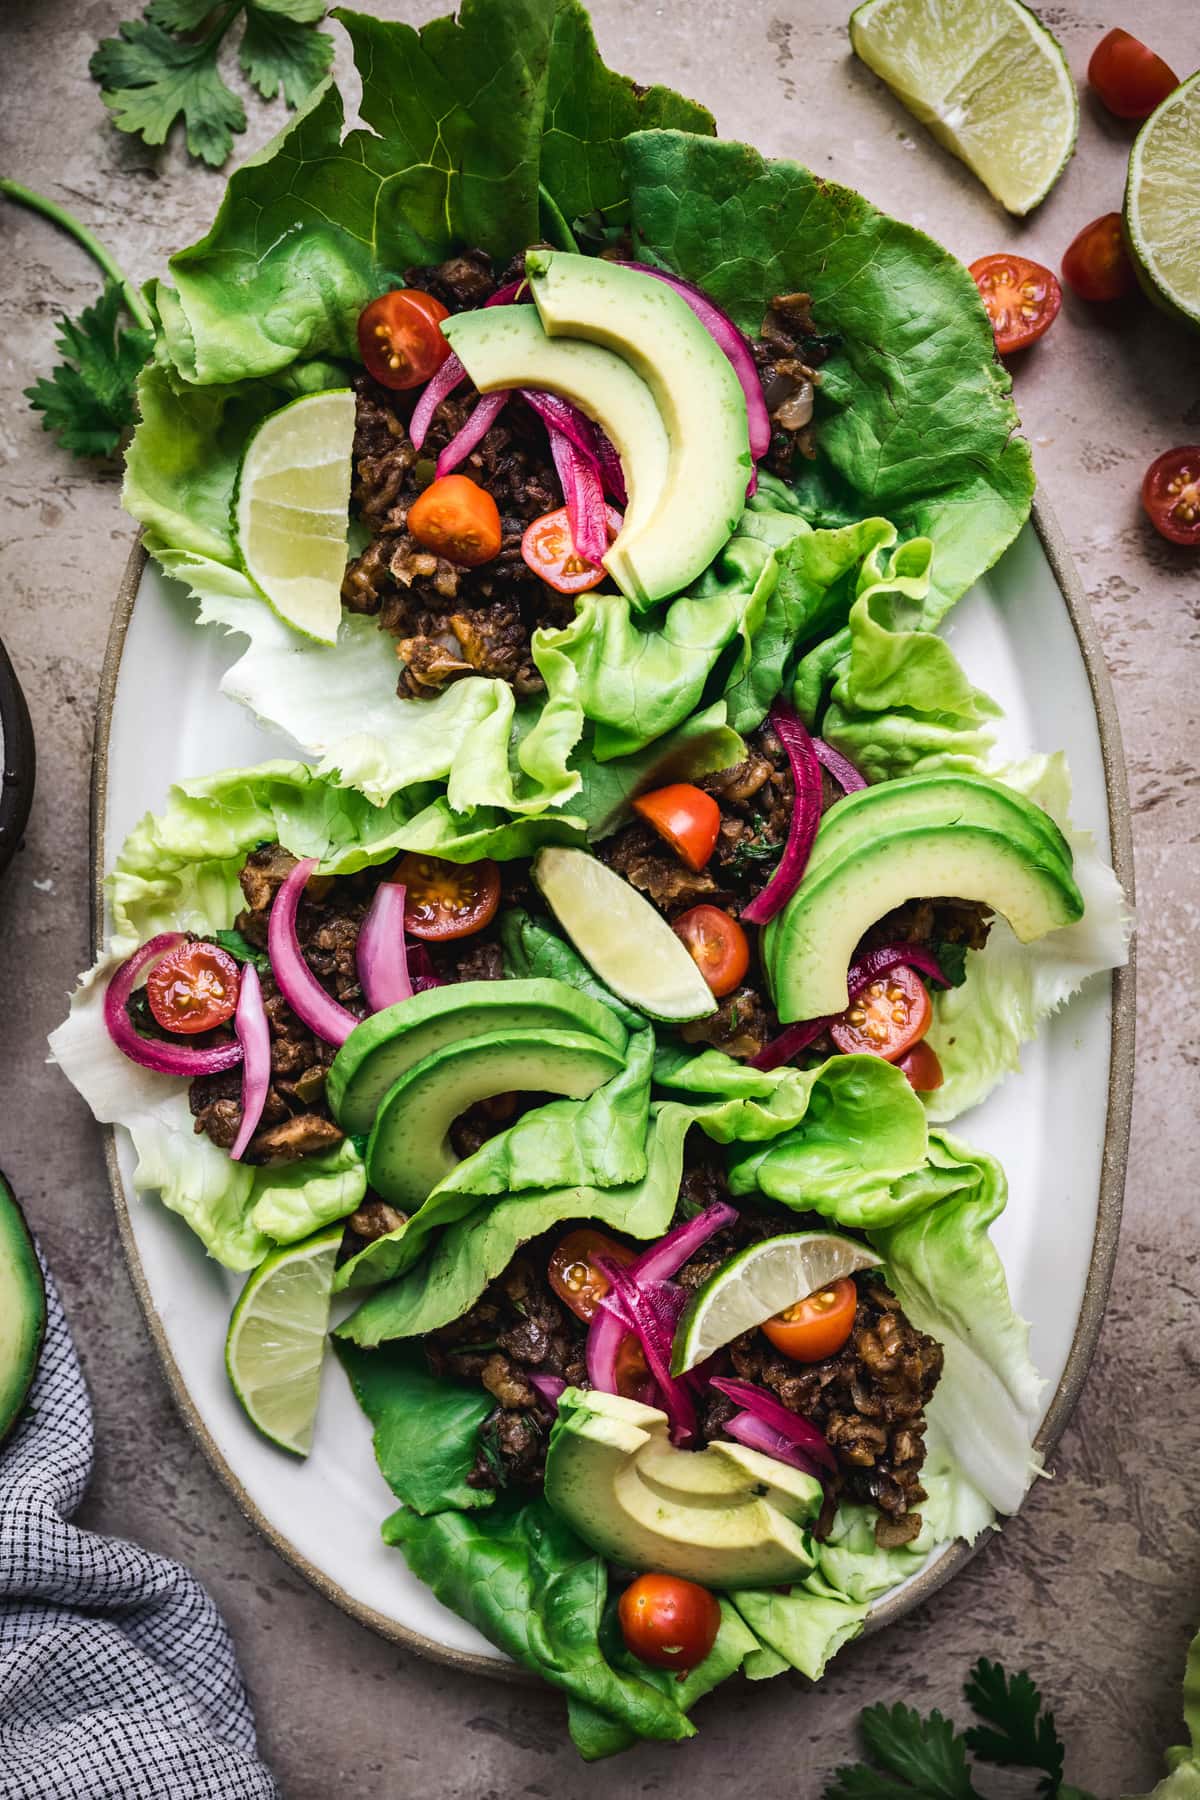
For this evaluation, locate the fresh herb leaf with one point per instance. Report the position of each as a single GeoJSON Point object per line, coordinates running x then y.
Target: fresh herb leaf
{"type": "Point", "coordinates": [279, 50]}
{"type": "Point", "coordinates": [1016, 1731]}
{"type": "Point", "coordinates": [952, 961]}
{"type": "Point", "coordinates": [87, 401]}
{"type": "Point", "coordinates": [920, 1758]}
{"type": "Point", "coordinates": [750, 857]}
{"type": "Point", "coordinates": [242, 950]}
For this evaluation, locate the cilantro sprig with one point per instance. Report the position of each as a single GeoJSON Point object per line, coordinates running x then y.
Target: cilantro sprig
{"type": "Point", "coordinates": [164, 66]}
{"type": "Point", "coordinates": [87, 401]}
{"type": "Point", "coordinates": [925, 1758]}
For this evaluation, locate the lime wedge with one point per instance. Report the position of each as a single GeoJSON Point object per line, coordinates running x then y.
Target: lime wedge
{"type": "Point", "coordinates": [1162, 202]}
{"type": "Point", "coordinates": [291, 512]}
{"type": "Point", "coordinates": [757, 1284]}
{"type": "Point", "coordinates": [276, 1341]}
{"type": "Point", "coordinates": [989, 81]}
{"type": "Point", "coordinates": [629, 945]}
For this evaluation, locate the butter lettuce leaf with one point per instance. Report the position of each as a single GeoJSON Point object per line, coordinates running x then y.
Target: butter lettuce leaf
{"type": "Point", "coordinates": [425, 1427]}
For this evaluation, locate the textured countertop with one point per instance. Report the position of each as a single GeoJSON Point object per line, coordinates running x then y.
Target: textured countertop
{"type": "Point", "coordinates": [1097, 1586]}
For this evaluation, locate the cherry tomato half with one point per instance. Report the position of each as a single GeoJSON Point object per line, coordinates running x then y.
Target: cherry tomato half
{"type": "Point", "coordinates": [447, 899]}
{"type": "Point", "coordinates": [573, 1272]}
{"type": "Point", "coordinates": [668, 1622]}
{"type": "Point", "coordinates": [549, 550]}
{"type": "Point", "coordinates": [818, 1325]}
{"type": "Point", "coordinates": [718, 945]}
{"type": "Point", "coordinates": [1021, 299]}
{"type": "Point", "coordinates": [457, 519]}
{"type": "Point", "coordinates": [1171, 495]}
{"type": "Point", "coordinates": [923, 1069]}
{"type": "Point", "coordinates": [1129, 78]}
{"type": "Point", "coordinates": [400, 339]}
{"type": "Point", "coordinates": [631, 1372]}
{"type": "Point", "coordinates": [1096, 263]}
{"type": "Point", "coordinates": [687, 817]}
{"type": "Point", "coordinates": [888, 1018]}
{"type": "Point", "coordinates": [193, 988]}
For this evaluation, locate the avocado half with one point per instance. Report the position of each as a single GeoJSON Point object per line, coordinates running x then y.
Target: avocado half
{"type": "Point", "coordinates": [22, 1310]}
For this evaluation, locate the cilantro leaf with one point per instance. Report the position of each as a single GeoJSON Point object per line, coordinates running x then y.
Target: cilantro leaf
{"type": "Point", "coordinates": [1016, 1731]}
{"type": "Point", "coordinates": [88, 399]}
{"type": "Point", "coordinates": [922, 1759]}
{"type": "Point", "coordinates": [179, 15]}
{"type": "Point", "coordinates": [242, 950]}
{"type": "Point", "coordinates": [952, 961]}
{"type": "Point", "coordinates": [279, 51]}
{"type": "Point", "coordinates": [149, 79]}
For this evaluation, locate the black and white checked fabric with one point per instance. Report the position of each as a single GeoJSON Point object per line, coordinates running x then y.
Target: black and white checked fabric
{"type": "Point", "coordinates": [118, 1679]}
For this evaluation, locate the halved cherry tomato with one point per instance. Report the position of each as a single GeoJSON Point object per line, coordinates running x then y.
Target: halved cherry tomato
{"type": "Point", "coordinates": [818, 1325]}
{"type": "Point", "coordinates": [718, 945]}
{"type": "Point", "coordinates": [923, 1069]}
{"type": "Point", "coordinates": [687, 817]}
{"type": "Point", "coordinates": [573, 1272]}
{"type": "Point", "coordinates": [457, 519]}
{"type": "Point", "coordinates": [631, 1372]}
{"type": "Point", "coordinates": [549, 550]}
{"type": "Point", "coordinates": [1129, 78]}
{"type": "Point", "coordinates": [888, 1018]}
{"type": "Point", "coordinates": [400, 339]}
{"type": "Point", "coordinates": [668, 1622]}
{"type": "Point", "coordinates": [1097, 264]}
{"type": "Point", "coordinates": [447, 899]}
{"type": "Point", "coordinates": [193, 988]}
{"type": "Point", "coordinates": [1171, 495]}
{"type": "Point", "coordinates": [1021, 299]}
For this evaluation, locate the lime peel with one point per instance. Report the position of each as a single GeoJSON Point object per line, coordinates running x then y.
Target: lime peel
{"type": "Point", "coordinates": [1162, 202]}
{"type": "Point", "coordinates": [275, 1346]}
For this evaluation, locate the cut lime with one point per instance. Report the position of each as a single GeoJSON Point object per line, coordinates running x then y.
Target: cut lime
{"type": "Point", "coordinates": [276, 1341]}
{"type": "Point", "coordinates": [292, 509]}
{"type": "Point", "coordinates": [757, 1284]}
{"type": "Point", "coordinates": [1162, 202]}
{"type": "Point", "coordinates": [629, 945]}
{"type": "Point", "coordinates": [989, 81]}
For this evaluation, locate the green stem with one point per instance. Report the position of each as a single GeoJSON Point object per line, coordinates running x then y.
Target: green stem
{"type": "Point", "coordinates": [67, 222]}
{"type": "Point", "coordinates": [556, 221]}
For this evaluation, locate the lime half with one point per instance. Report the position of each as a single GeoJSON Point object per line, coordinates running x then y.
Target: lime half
{"type": "Point", "coordinates": [276, 1341]}
{"type": "Point", "coordinates": [759, 1283]}
{"type": "Point", "coordinates": [989, 81]}
{"type": "Point", "coordinates": [292, 509]}
{"type": "Point", "coordinates": [1162, 202]}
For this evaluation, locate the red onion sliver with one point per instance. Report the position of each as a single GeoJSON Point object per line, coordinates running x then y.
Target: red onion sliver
{"type": "Point", "coordinates": [508, 293]}
{"type": "Point", "coordinates": [254, 1035]}
{"type": "Point", "coordinates": [839, 766]}
{"type": "Point", "coordinates": [806, 816]}
{"type": "Point", "coordinates": [152, 1053]}
{"type": "Point", "coordinates": [675, 1398]}
{"type": "Point", "coordinates": [437, 388]}
{"type": "Point", "coordinates": [733, 343]}
{"type": "Point", "coordinates": [548, 1388]}
{"type": "Point", "coordinates": [420, 968]}
{"type": "Point", "coordinates": [668, 1256]}
{"type": "Point", "coordinates": [587, 514]}
{"type": "Point", "coordinates": [797, 1430]}
{"type": "Point", "coordinates": [861, 974]}
{"type": "Point", "coordinates": [477, 426]}
{"type": "Point", "coordinates": [559, 415]}
{"type": "Point", "coordinates": [295, 980]}
{"type": "Point", "coordinates": [789, 1043]}
{"type": "Point", "coordinates": [611, 472]}
{"type": "Point", "coordinates": [381, 953]}
{"type": "Point", "coordinates": [756, 1434]}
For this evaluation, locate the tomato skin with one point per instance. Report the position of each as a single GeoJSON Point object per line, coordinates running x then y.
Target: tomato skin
{"type": "Point", "coordinates": [632, 1372]}
{"type": "Point", "coordinates": [1096, 263]}
{"type": "Point", "coordinates": [1021, 298]}
{"type": "Point", "coordinates": [668, 1622]}
{"type": "Point", "coordinates": [193, 987]}
{"type": "Point", "coordinates": [549, 550]}
{"type": "Point", "coordinates": [922, 1068]}
{"type": "Point", "coordinates": [446, 900]}
{"type": "Point", "coordinates": [400, 340]}
{"type": "Point", "coordinates": [1171, 495]}
{"type": "Point", "coordinates": [818, 1325]}
{"type": "Point", "coordinates": [457, 519]}
{"type": "Point", "coordinates": [1129, 78]}
{"type": "Point", "coordinates": [687, 817]}
{"type": "Point", "coordinates": [574, 1276]}
{"type": "Point", "coordinates": [870, 1024]}
{"type": "Point", "coordinates": [718, 945]}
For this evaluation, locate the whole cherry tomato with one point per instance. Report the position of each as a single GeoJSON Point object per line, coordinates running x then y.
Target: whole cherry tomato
{"type": "Point", "coordinates": [817, 1326]}
{"type": "Point", "coordinates": [668, 1622]}
{"type": "Point", "coordinates": [687, 817]}
{"type": "Point", "coordinates": [718, 944]}
{"type": "Point", "coordinates": [549, 550]}
{"type": "Point", "coordinates": [922, 1067]}
{"type": "Point", "coordinates": [1097, 264]}
{"type": "Point", "coordinates": [400, 339]}
{"type": "Point", "coordinates": [1129, 78]}
{"type": "Point", "coordinates": [888, 1017]}
{"type": "Point", "coordinates": [193, 987]}
{"type": "Point", "coordinates": [1021, 298]}
{"type": "Point", "coordinates": [457, 519]}
{"type": "Point", "coordinates": [1171, 495]}
{"type": "Point", "coordinates": [447, 899]}
{"type": "Point", "coordinates": [573, 1272]}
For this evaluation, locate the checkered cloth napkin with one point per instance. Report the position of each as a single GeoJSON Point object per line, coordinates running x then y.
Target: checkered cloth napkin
{"type": "Point", "coordinates": [118, 1679]}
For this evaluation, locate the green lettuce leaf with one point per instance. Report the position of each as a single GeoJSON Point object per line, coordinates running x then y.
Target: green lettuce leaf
{"type": "Point", "coordinates": [292, 1200]}
{"type": "Point", "coordinates": [521, 1576]}
{"type": "Point", "coordinates": [703, 743]}
{"type": "Point", "coordinates": [425, 1426]}
{"type": "Point", "coordinates": [532, 951]}
{"type": "Point", "coordinates": [1182, 1781]}
{"type": "Point", "coordinates": [805, 1627]}
{"type": "Point", "coordinates": [914, 417]}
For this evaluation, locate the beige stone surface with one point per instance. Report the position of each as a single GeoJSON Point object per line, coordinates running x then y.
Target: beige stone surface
{"type": "Point", "coordinates": [1096, 1587]}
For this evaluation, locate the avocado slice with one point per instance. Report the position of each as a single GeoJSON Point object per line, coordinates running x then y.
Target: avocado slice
{"type": "Point", "coordinates": [699, 399]}
{"type": "Point", "coordinates": [385, 1046]}
{"type": "Point", "coordinates": [22, 1310]}
{"type": "Point", "coordinates": [507, 347]}
{"type": "Point", "coordinates": [725, 1516]}
{"type": "Point", "coordinates": [809, 946]}
{"type": "Point", "coordinates": [409, 1148]}
{"type": "Point", "coordinates": [938, 800]}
